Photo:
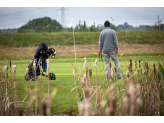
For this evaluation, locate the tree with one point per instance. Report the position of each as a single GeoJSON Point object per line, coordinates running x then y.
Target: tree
{"type": "Point", "coordinates": [93, 28]}
{"type": "Point", "coordinates": [43, 28]}
{"type": "Point", "coordinates": [84, 27]}
{"type": "Point", "coordinates": [76, 28]}
{"type": "Point", "coordinates": [158, 25]}
{"type": "Point", "coordinates": [41, 25]}
{"type": "Point", "coordinates": [112, 26]}
{"type": "Point", "coordinates": [71, 29]}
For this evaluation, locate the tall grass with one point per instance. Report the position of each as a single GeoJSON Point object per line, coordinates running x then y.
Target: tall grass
{"type": "Point", "coordinates": [140, 93]}
{"type": "Point", "coordinates": [10, 105]}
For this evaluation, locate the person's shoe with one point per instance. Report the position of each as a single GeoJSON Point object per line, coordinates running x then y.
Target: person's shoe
{"type": "Point", "coordinates": [120, 78]}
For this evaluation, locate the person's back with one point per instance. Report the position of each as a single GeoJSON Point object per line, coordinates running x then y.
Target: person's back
{"type": "Point", "coordinates": [108, 40]}
{"type": "Point", "coordinates": [109, 44]}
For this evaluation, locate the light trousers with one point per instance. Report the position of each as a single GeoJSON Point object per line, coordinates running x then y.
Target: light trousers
{"type": "Point", "coordinates": [114, 57]}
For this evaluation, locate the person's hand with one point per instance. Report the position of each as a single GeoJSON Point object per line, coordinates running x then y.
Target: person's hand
{"type": "Point", "coordinates": [101, 54]}
{"type": "Point", "coordinates": [116, 52]}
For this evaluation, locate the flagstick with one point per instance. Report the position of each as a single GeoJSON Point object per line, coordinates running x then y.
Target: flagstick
{"type": "Point", "coordinates": [71, 24]}
{"type": "Point", "coordinates": [126, 31]}
{"type": "Point", "coordinates": [89, 31]}
{"type": "Point", "coordinates": [74, 45]}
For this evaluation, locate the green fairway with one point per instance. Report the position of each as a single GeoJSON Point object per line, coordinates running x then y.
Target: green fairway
{"type": "Point", "coordinates": [65, 81]}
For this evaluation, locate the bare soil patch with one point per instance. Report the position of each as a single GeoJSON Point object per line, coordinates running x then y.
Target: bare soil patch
{"type": "Point", "coordinates": [63, 50]}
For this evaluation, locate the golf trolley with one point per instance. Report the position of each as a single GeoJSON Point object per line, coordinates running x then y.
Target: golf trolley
{"type": "Point", "coordinates": [42, 53]}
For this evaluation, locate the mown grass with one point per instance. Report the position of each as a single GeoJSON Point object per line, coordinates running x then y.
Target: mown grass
{"type": "Point", "coordinates": [64, 82]}
{"type": "Point", "coordinates": [67, 58]}
{"type": "Point", "coordinates": [34, 39]}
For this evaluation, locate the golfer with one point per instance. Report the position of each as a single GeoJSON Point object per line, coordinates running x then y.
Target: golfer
{"type": "Point", "coordinates": [109, 44]}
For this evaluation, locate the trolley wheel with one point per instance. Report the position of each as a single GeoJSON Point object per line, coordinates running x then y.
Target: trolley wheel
{"type": "Point", "coordinates": [27, 77]}
{"type": "Point", "coordinates": [52, 76]}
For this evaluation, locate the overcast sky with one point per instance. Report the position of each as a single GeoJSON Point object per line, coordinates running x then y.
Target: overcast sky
{"type": "Point", "coordinates": [14, 17]}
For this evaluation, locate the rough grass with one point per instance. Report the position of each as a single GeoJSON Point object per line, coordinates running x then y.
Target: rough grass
{"type": "Point", "coordinates": [82, 38]}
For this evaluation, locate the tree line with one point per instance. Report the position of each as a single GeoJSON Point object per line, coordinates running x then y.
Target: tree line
{"type": "Point", "coordinates": [46, 24]}
{"type": "Point", "coordinates": [155, 27]}
{"type": "Point", "coordinates": [82, 27]}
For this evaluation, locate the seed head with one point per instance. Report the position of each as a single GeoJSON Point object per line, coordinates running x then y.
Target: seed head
{"type": "Point", "coordinates": [90, 73]}
{"type": "Point", "coordinates": [131, 89]}
{"type": "Point", "coordinates": [103, 103]}
{"type": "Point", "coordinates": [138, 87]}
{"type": "Point", "coordinates": [85, 63]}
{"type": "Point", "coordinates": [122, 54]}
{"type": "Point", "coordinates": [139, 102]}
{"type": "Point", "coordinates": [14, 68]}
{"type": "Point", "coordinates": [158, 67]}
{"type": "Point", "coordinates": [127, 73]}
{"type": "Point", "coordinates": [34, 65]}
{"type": "Point", "coordinates": [81, 108]}
{"type": "Point", "coordinates": [111, 71]}
{"type": "Point", "coordinates": [95, 63]}
{"type": "Point", "coordinates": [74, 72]}
{"type": "Point", "coordinates": [132, 110]}
{"type": "Point", "coordinates": [5, 68]}
{"type": "Point", "coordinates": [85, 77]}
{"type": "Point", "coordinates": [40, 67]}
{"type": "Point", "coordinates": [87, 108]}
{"type": "Point", "coordinates": [125, 102]}
{"type": "Point", "coordinates": [82, 79]}
{"type": "Point", "coordinates": [109, 111]}
{"type": "Point", "coordinates": [85, 59]}
{"type": "Point", "coordinates": [26, 69]}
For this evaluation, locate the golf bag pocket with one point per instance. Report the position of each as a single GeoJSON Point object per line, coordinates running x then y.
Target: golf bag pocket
{"type": "Point", "coordinates": [44, 65]}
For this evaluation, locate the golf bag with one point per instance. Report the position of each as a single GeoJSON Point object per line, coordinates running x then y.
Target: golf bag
{"type": "Point", "coordinates": [42, 53]}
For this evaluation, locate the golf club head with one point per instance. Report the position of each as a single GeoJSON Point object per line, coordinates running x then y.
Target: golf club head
{"type": "Point", "coordinates": [49, 53]}
{"type": "Point", "coordinates": [54, 54]}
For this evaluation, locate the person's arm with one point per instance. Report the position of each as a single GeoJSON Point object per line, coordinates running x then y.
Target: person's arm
{"type": "Point", "coordinates": [115, 42]}
{"type": "Point", "coordinates": [100, 44]}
